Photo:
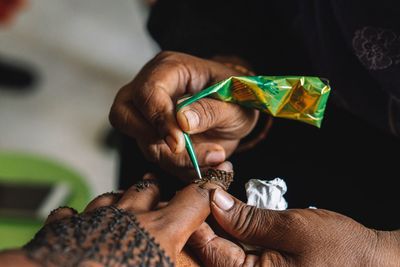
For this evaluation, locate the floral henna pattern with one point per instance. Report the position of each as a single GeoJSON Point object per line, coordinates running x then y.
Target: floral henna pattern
{"type": "Point", "coordinates": [109, 236]}
{"type": "Point", "coordinates": [220, 177]}
{"type": "Point", "coordinates": [377, 48]}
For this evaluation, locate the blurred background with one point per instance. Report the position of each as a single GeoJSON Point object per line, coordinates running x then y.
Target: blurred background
{"type": "Point", "coordinates": [61, 64]}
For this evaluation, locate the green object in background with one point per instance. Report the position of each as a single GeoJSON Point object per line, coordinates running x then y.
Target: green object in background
{"type": "Point", "coordinates": [22, 168]}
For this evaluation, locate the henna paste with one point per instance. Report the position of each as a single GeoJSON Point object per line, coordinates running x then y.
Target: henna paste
{"type": "Point", "coordinates": [108, 235]}
{"type": "Point", "coordinates": [143, 184]}
{"type": "Point", "coordinates": [74, 211]}
{"type": "Point", "coordinates": [220, 177]}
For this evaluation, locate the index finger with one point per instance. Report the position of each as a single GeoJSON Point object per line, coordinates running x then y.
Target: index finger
{"type": "Point", "coordinates": [157, 86]}
{"type": "Point", "coordinates": [186, 212]}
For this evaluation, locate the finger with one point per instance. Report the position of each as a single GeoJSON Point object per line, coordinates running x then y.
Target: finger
{"type": "Point", "coordinates": [106, 199]}
{"type": "Point", "coordinates": [213, 250]}
{"type": "Point", "coordinates": [225, 166]}
{"type": "Point", "coordinates": [143, 196]}
{"type": "Point", "coordinates": [159, 84]}
{"type": "Point", "coordinates": [161, 205]}
{"type": "Point", "coordinates": [274, 258]}
{"type": "Point", "coordinates": [126, 118]}
{"type": "Point", "coordinates": [231, 120]}
{"type": "Point", "coordinates": [207, 153]}
{"type": "Point", "coordinates": [255, 226]}
{"type": "Point", "coordinates": [60, 213]}
{"type": "Point", "coordinates": [184, 213]}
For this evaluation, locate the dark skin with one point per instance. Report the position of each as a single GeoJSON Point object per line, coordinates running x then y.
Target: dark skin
{"type": "Point", "coordinates": [144, 109]}
{"type": "Point", "coordinates": [298, 237]}
{"type": "Point", "coordinates": [171, 224]}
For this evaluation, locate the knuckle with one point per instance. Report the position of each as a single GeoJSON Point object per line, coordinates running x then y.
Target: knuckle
{"type": "Point", "coordinates": [294, 219]}
{"type": "Point", "coordinates": [273, 258]}
{"type": "Point", "coordinates": [152, 152]}
{"type": "Point", "coordinates": [248, 221]}
{"type": "Point", "coordinates": [165, 55]}
{"type": "Point", "coordinates": [114, 116]}
{"type": "Point", "coordinates": [158, 120]}
{"type": "Point", "coordinates": [207, 112]}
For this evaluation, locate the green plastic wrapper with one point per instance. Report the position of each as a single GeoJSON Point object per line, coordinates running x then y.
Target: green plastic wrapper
{"type": "Point", "coordinates": [291, 97]}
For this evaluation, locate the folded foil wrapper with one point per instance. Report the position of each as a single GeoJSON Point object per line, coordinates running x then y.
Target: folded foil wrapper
{"type": "Point", "coordinates": [292, 97]}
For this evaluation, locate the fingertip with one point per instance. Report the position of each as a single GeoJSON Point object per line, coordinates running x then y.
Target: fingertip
{"type": "Point", "coordinates": [182, 121]}
{"type": "Point", "coordinates": [180, 145]}
{"type": "Point", "coordinates": [225, 166]}
{"type": "Point", "coordinates": [176, 142]}
{"type": "Point", "coordinates": [223, 200]}
{"type": "Point", "coordinates": [214, 157]}
{"type": "Point", "coordinates": [171, 143]}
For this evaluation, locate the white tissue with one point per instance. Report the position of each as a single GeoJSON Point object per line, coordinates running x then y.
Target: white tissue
{"type": "Point", "coordinates": [266, 194]}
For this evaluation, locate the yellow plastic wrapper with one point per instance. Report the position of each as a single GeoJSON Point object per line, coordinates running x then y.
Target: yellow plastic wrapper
{"type": "Point", "coordinates": [291, 97]}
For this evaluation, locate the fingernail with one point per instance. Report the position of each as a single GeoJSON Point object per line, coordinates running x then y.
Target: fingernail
{"type": "Point", "coordinates": [215, 157]}
{"type": "Point", "coordinates": [171, 143]}
{"type": "Point", "coordinates": [222, 199]}
{"type": "Point", "coordinates": [192, 119]}
{"type": "Point", "coordinates": [225, 166]}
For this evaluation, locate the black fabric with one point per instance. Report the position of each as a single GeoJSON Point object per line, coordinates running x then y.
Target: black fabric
{"type": "Point", "coordinates": [350, 164]}
{"type": "Point", "coordinates": [346, 166]}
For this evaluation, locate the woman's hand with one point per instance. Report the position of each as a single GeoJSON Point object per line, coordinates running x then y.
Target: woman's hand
{"type": "Point", "coordinates": [301, 237]}
{"type": "Point", "coordinates": [145, 109]}
{"type": "Point", "coordinates": [119, 229]}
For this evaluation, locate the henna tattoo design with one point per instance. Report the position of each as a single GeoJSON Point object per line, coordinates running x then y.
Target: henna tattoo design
{"type": "Point", "coordinates": [108, 235]}
{"type": "Point", "coordinates": [220, 177]}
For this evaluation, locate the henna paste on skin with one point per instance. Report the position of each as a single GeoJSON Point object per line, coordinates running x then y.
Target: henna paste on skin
{"type": "Point", "coordinates": [220, 177]}
{"type": "Point", "coordinates": [143, 184]}
{"type": "Point", "coordinates": [107, 236]}
{"type": "Point", "coordinates": [74, 211]}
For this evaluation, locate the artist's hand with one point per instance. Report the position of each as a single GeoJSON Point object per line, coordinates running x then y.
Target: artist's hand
{"type": "Point", "coordinates": [145, 110]}
{"type": "Point", "coordinates": [110, 230]}
{"type": "Point", "coordinates": [301, 237]}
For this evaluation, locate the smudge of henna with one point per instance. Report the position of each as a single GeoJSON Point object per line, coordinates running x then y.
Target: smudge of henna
{"type": "Point", "coordinates": [143, 184]}
{"type": "Point", "coordinates": [74, 211]}
{"type": "Point", "coordinates": [215, 176]}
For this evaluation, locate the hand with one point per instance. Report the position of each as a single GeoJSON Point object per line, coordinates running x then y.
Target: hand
{"type": "Point", "coordinates": [145, 110]}
{"type": "Point", "coordinates": [110, 230]}
{"type": "Point", "coordinates": [300, 237]}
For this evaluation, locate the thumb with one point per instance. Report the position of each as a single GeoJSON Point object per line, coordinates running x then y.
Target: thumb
{"type": "Point", "coordinates": [213, 250]}
{"type": "Point", "coordinates": [249, 224]}
{"type": "Point", "coordinates": [208, 113]}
